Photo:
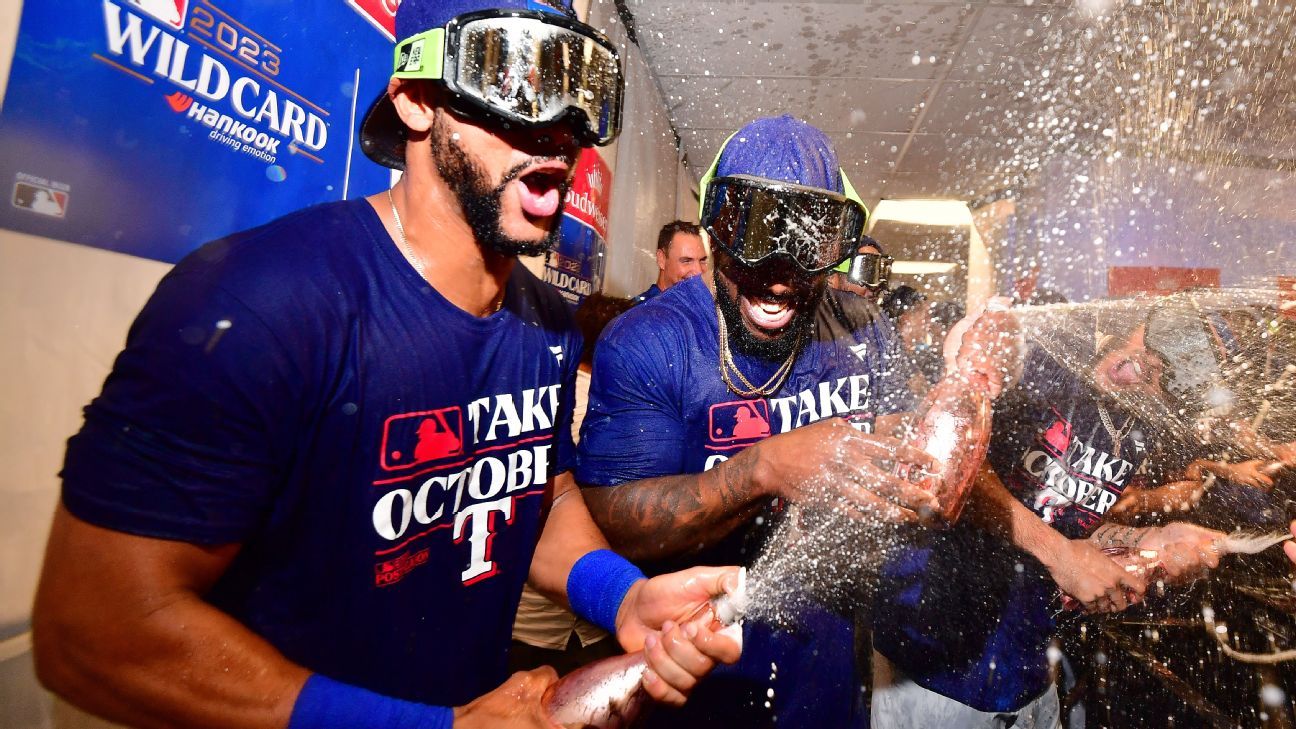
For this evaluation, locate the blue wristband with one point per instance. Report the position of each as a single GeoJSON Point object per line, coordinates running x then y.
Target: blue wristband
{"type": "Point", "coordinates": [597, 585]}
{"type": "Point", "coordinates": [327, 704]}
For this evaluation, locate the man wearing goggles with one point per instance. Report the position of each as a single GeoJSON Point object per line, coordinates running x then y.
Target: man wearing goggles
{"type": "Point", "coordinates": [336, 446]}
{"type": "Point", "coordinates": [866, 273]}
{"type": "Point", "coordinates": [706, 409]}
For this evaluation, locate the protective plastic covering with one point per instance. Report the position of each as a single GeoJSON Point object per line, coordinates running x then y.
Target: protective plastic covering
{"type": "Point", "coordinates": [647, 170]}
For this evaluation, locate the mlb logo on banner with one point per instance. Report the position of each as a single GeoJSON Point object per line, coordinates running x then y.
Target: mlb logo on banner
{"type": "Point", "coordinates": [171, 12]}
{"type": "Point", "coordinates": [740, 420]}
{"type": "Point", "coordinates": [40, 199]}
{"type": "Point", "coordinates": [413, 438]}
{"type": "Point", "coordinates": [380, 13]}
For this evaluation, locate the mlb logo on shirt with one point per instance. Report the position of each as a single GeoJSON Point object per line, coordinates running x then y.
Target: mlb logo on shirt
{"type": "Point", "coordinates": [1058, 436]}
{"type": "Point", "coordinates": [429, 435]}
{"type": "Point", "coordinates": [171, 12]}
{"type": "Point", "coordinates": [741, 420]}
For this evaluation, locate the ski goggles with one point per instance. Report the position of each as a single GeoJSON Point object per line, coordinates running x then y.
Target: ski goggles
{"type": "Point", "coordinates": [871, 270]}
{"type": "Point", "coordinates": [527, 68]}
{"type": "Point", "coordinates": [753, 218]}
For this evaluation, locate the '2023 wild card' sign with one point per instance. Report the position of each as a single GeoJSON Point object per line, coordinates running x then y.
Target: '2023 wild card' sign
{"type": "Point", "coordinates": [151, 126]}
{"type": "Point", "coordinates": [576, 264]}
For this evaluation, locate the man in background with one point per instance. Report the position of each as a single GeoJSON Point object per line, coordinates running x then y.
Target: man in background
{"type": "Point", "coordinates": [680, 255]}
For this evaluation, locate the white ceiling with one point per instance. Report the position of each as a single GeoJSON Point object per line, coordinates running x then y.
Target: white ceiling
{"type": "Point", "coordinates": [929, 98]}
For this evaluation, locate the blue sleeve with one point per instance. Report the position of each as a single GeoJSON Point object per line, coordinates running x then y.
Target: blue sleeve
{"type": "Point", "coordinates": [186, 439]}
{"type": "Point", "coordinates": [633, 427]}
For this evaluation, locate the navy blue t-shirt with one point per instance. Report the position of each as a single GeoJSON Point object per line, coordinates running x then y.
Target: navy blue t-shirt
{"type": "Point", "coordinates": [658, 407]}
{"type": "Point", "coordinates": [649, 293]}
{"type": "Point", "coordinates": [380, 454]}
{"type": "Point", "coordinates": [968, 615]}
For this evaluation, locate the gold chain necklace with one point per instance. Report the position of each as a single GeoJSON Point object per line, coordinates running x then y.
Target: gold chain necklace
{"type": "Point", "coordinates": [1116, 435]}
{"type": "Point", "coordinates": [414, 260]}
{"type": "Point", "coordinates": [771, 385]}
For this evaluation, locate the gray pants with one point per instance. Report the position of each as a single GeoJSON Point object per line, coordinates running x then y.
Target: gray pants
{"type": "Point", "coordinates": [899, 703]}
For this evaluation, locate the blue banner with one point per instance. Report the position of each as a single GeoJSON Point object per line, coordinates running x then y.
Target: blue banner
{"type": "Point", "coordinates": [152, 126]}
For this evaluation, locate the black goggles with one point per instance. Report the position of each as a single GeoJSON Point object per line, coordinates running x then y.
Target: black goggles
{"type": "Point", "coordinates": [527, 68]}
{"type": "Point", "coordinates": [871, 270]}
{"type": "Point", "coordinates": [753, 218]}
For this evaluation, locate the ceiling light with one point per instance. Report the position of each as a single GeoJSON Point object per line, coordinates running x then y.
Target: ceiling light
{"type": "Point", "coordinates": [923, 212]}
{"type": "Point", "coordinates": [919, 268]}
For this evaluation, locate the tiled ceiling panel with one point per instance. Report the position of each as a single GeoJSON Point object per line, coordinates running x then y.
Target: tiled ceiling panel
{"type": "Point", "coordinates": [832, 104]}
{"type": "Point", "coordinates": [948, 98]}
{"type": "Point", "coordinates": [809, 40]}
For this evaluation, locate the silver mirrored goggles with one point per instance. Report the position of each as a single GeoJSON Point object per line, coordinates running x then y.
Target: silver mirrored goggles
{"type": "Point", "coordinates": [870, 270]}
{"type": "Point", "coordinates": [526, 68]}
{"type": "Point", "coordinates": [752, 218]}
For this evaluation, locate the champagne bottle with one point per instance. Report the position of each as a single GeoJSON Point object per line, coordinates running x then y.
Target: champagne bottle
{"type": "Point", "coordinates": [609, 694]}
{"type": "Point", "coordinates": [954, 429]}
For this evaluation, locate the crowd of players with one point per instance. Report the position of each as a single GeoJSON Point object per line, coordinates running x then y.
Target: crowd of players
{"type": "Point", "coordinates": [337, 447]}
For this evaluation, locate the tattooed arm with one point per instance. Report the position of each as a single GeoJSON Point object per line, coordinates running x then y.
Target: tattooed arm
{"type": "Point", "coordinates": [830, 463]}
{"type": "Point", "coordinates": [655, 518]}
{"type": "Point", "coordinates": [1118, 536]}
{"type": "Point", "coordinates": [1177, 551]}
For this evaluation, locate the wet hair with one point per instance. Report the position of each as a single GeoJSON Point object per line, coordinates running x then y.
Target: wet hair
{"type": "Point", "coordinates": [901, 299]}
{"type": "Point", "coordinates": [669, 230]}
{"type": "Point", "coordinates": [596, 312]}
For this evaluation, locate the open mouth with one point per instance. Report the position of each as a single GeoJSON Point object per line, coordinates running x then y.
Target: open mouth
{"type": "Point", "coordinates": [1127, 372]}
{"type": "Point", "coordinates": [769, 313]}
{"type": "Point", "coordinates": [541, 188]}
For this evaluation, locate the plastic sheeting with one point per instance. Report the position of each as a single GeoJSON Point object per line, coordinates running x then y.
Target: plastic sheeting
{"type": "Point", "coordinates": [648, 177]}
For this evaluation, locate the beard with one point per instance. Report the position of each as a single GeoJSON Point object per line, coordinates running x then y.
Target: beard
{"type": "Point", "coordinates": [749, 344]}
{"type": "Point", "coordinates": [482, 204]}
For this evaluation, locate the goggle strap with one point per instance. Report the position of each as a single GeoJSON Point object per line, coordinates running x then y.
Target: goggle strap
{"type": "Point", "coordinates": [421, 56]}
{"type": "Point", "coordinates": [849, 191]}
{"type": "Point", "coordinates": [707, 176]}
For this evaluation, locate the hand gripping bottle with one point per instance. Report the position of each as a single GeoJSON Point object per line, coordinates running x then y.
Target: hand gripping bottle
{"type": "Point", "coordinates": [609, 694]}
{"type": "Point", "coordinates": [954, 429]}
{"type": "Point", "coordinates": [953, 425]}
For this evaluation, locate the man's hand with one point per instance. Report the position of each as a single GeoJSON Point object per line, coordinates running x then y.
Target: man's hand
{"type": "Point", "coordinates": [679, 654]}
{"type": "Point", "coordinates": [987, 342]}
{"type": "Point", "coordinates": [831, 462]}
{"type": "Point", "coordinates": [1089, 576]}
{"type": "Point", "coordinates": [1255, 473]}
{"type": "Point", "coordinates": [1179, 550]}
{"type": "Point", "coordinates": [516, 703]}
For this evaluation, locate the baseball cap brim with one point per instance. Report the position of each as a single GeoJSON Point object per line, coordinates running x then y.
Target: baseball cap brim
{"type": "Point", "coordinates": [382, 133]}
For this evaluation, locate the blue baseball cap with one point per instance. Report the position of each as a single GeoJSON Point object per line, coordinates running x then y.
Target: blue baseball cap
{"type": "Point", "coordinates": [785, 149]}
{"type": "Point", "coordinates": [415, 16]}
{"type": "Point", "coordinates": [382, 133]}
